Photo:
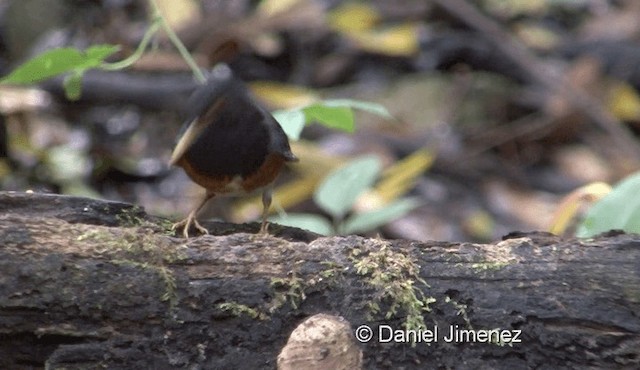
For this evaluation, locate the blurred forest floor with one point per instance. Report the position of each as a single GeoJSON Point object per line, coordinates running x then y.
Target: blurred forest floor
{"type": "Point", "coordinates": [516, 103]}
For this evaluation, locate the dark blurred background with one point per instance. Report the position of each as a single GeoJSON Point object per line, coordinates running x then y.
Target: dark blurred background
{"type": "Point", "coordinates": [485, 89]}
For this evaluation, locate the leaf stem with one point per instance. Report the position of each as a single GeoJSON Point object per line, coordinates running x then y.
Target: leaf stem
{"type": "Point", "coordinates": [177, 43]}
{"type": "Point", "coordinates": [158, 22]}
{"type": "Point", "coordinates": [139, 51]}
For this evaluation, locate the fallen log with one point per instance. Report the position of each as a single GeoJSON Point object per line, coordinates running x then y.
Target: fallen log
{"type": "Point", "coordinates": [90, 284]}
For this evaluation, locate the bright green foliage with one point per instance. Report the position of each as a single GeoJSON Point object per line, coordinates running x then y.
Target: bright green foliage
{"type": "Point", "coordinates": [620, 209]}
{"type": "Point", "coordinates": [369, 107]}
{"type": "Point", "coordinates": [339, 190]}
{"type": "Point", "coordinates": [362, 222]}
{"type": "Point", "coordinates": [338, 193]}
{"type": "Point", "coordinates": [340, 118]}
{"type": "Point", "coordinates": [73, 85]}
{"type": "Point", "coordinates": [307, 221]}
{"type": "Point", "coordinates": [292, 122]}
{"type": "Point", "coordinates": [336, 114]}
{"type": "Point", "coordinates": [58, 61]}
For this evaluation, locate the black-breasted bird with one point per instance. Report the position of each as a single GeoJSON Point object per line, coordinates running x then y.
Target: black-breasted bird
{"type": "Point", "coordinates": [231, 145]}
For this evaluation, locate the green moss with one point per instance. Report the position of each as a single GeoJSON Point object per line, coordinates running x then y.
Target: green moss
{"type": "Point", "coordinates": [166, 275]}
{"type": "Point", "coordinates": [130, 217]}
{"type": "Point", "coordinates": [289, 289]}
{"type": "Point", "coordinates": [393, 276]}
{"type": "Point", "coordinates": [238, 309]}
{"type": "Point", "coordinates": [139, 247]}
{"type": "Point", "coordinates": [461, 310]}
{"type": "Point", "coordinates": [137, 244]}
{"type": "Point", "coordinates": [489, 265]}
{"type": "Point", "coordinates": [166, 226]}
{"type": "Point", "coordinates": [169, 280]}
{"type": "Point", "coordinates": [134, 217]}
{"type": "Point", "coordinates": [332, 270]}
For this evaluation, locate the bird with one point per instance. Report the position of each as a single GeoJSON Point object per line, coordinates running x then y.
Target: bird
{"type": "Point", "coordinates": [229, 145]}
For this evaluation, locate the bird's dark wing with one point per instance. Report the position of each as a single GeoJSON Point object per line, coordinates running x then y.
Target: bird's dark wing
{"type": "Point", "coordinates": [234, 143]}
{"type": "Point", "coordinates": [202, 107]}
{"type": "Point", "coordinates": [229, 133]}
{"type": "Point", "coordinates": [194, 130]}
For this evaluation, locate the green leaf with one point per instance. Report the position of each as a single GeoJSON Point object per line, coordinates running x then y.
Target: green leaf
{"type": "Point", "coordinates": [368, 221]}
{"type": "Point", "coordinates": [67, 164]}
{"type": "Point", "coordinates": [313, 223]}
{"type": "Point", "coordinates": [620, 209]}
{"type": "Point", "coordinates": [368, 107]}
{"type": "Point", "coordinates": [333, 117]}
{"type": "Point", "coordinates": [339, 190]}
{"type": "Point", "coordinates": [58, 61]}
{"type": "Point", "coordinates": [98, 53]}
{"type": "Point", "coordinates": [337, 113]}
{"type": "Point", "coordinates": [292, 122]}
{"type": "Point", "coordinates": [73, 86]}
{"type": "Point", "coordinates": [46, 65]}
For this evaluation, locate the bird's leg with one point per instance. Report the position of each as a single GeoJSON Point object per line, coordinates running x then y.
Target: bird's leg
{"type": "Point", "coordinates": [266, 204]}
{"type": "Point", "coordinates": [191, 218]}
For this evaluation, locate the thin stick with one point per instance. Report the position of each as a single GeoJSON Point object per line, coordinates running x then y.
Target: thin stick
{"type": "Point", "coordinates": [542, 74]}
{"type": "Point", "coordinates": [175, 40]}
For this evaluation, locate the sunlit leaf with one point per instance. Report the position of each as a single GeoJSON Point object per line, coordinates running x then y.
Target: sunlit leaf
{"type": "Point", "coordinates": [73, 86]}
{"type": "Point", "coordinates": [58, 61]}
{"type": "Point", "coordinates": [401, 40]}
{"type": "Point", "coordinates": [351, 17]}
{"type": "Point", "coordinates": [359, 23]}
{"type": "Point", "coordinates": [67, 164]}
{"type": "Point", "coordinates": [314, 223]}
{"type": "Point", "coordinates": [571, 204]}
{"type": "Point", "coordinates": [335, 114]}
{"type": "Point", "coordinates": [620, 209]}
{"type": "Point", "coordinates": [46, 65]}
{"type": "Point", "coordinates": [178, 14]}
{"type": "Point", "coordinates": [339, 190]}
{"type": "Point", "coordinates": [624, 102]}
{"type": "Point", "coordinates": [272, 7]}
{"type": "Point", "coordinates": [279, 95]}
{"type": "Point", "coordinates": [479, 224]}
{"type": "Point", "coordinates": [340, 118]}
{"type": "Point", "coordinates": [371, 220]}
{"type": "Point", "coordinates": [537, 36]}
{"type": "Point", "coordinates": [291, 121]}
{"type": "Point", "coordinates": [398, 179]}
{"type": "Point", "coordinates": [368, 107]}
{"type": "Point", "coordinates": [96, 54]}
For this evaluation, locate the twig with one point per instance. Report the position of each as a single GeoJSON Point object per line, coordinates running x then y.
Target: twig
{"type": "Point", "coordinates": [542, 74]}
{"type": "Point", "coordinates": [175, 40]}
{"type": "Point", "coordinates": [142, 47]}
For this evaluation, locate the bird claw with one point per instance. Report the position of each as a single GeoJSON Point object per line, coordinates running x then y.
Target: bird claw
{"type": "Point", "coordinates": [186, 224]}
{"type": "Point", "coordinates": [264, 228]}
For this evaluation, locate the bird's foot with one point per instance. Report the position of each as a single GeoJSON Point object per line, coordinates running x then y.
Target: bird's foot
{"type": "Point", "coordinates": [186, 224]}
{"type": "Point", "coordinates": [264, 228]}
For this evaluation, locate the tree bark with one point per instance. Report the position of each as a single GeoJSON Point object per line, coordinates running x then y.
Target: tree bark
{"type": "Point", "coordinates": [87, 284]}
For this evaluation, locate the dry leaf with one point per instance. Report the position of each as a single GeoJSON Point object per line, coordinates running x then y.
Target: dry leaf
{"type": "Point", "coordinates": [396, 180]}
{"type": "Point", "coordinates": [574, 205]}
{"type": "Point", "coordinates": [179, 13]}
{"type": "Point", "coordinates": [401, 40]}
{"type": "Point", "coordinates": [269, 8]}
{"type": "Point", "coordinates": [353, 17]}
{"type": "Point", "coordinates": [279, 95]}
{"type": "Point", "coordinates": [624, 102]}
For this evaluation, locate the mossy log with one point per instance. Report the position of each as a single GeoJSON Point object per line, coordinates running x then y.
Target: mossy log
{"type": "Point", "coordinates": [88, 284]}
